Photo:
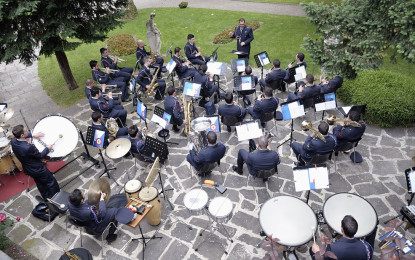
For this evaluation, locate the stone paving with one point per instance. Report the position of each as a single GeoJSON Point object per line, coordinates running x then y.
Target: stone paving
{"type": "Point", "coordinates": [379, 179]}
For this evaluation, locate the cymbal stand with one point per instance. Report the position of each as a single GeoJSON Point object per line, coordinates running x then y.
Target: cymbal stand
{"type": "Point", "coordinates": [144, 238]}
{"type": "Point", "coordinates": [214, 226]}
{"type": "Point", "coordinates": [164, 190]}
{"type": "Point", "coordinates": [106, 169]}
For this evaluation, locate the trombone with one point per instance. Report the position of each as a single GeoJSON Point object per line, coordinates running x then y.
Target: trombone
{"type": "Point", "coordinates": [111, 70]}
{"type": "Point", "coordinates": [119, 59]}
{"type": "Point", "coordinates": [331, 119]}
{"type": "Point", "coordinates": [308, 125]}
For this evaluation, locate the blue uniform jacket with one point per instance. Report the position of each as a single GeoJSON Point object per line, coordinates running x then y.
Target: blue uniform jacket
{"type": "Point", "coordinates": [172, 106]}
{"type": "Point", "coordinates": [276, 74]}
{"type": "Point", "coordinates": [100, 104]}
{"type": "Point", "coordinates": [354, 249]}
{"type": "Point", "coordinates": [230, 110]}
{"type": "Point", "coordinates": [190, 50]}
{"type": "Point", "coordinates": [262, 159]}
{"type": "Point", "coordinates": [209, 154]}
{"type": "Point", "coordinates": [314, 145]}
{"type": "Point", "coordinates": [348, 133]}
{"type": "Point", "coordinates": [140, 54]}
{"type": "Point", "coordinates": [29, 156]}
{"type": "Point", "coordinates": [204, 81]}
{"type": "Point", "coordinates": [100, 76]}
{"type": "Point", "coordinates": [246, 36]}
{"type": "Point", "coordinates": [265, 106]}
{"type": "Point", "coordinates": [108, 62]}
{"type": "Point", "coordinates": [309, 91]}
{"type": "Point", "coordinates": [144, 78]}
{"type": "Point", "coordinates": [137, 144]}
{"type": "Point", "coordinates": [332, 85]}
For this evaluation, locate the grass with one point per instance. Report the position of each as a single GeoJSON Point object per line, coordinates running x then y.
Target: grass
{"type": "Point", "coordinates": [297, 1]}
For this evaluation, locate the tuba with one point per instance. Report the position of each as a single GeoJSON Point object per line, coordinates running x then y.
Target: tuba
{"type": "Point", "coordinates": [186, 107]}
{"type": "Point", "coordinates": [307, 125]}
{"type": "Point", "coordinates": [331, 119]}
{"type": "Point", "coordinates": [153, 84]}
{"type": "Point", "coordinates": [112, 126]}
{"type": "Point", "coordinates": [197, 140]}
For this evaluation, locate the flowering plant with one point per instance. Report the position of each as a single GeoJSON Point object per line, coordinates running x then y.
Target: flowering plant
{"type": "Point", "coordinates": [223, 37]}
{"type": "Point", "coordinates": [121, 45]}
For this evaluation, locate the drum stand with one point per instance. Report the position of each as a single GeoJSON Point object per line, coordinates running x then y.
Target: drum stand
{"type": "Point", "coordinates": [289, 253]}
{"type": "Point", "coordinates": [106, 169]}
{"type": "Point", "coordinates": [212, 228]}
{"type": "Point", "coordinates": [143, 239]}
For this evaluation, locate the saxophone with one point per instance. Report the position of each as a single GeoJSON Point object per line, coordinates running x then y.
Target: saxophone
{"type": "Point", "coordinates": [153, 84]}
{"type": "Point", "coordinates": [112, 126]}
{"type": "Point", "coordinates": [152, 56]}
{"type": "Point", "coordinates": [186, 107]}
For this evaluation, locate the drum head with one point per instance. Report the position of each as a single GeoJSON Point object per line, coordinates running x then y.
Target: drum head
{"type": "Point", "coordinates": [342, 204]}
{"type": "Point", "coordinates": [220, 207]}
{"type": "Point", "coordinates": [53, 127]}
{"type": "Point", "coordinates": [148, 194]}
{"type": "Point", "coordinates": [195, 199]}
{"type": "Point", "coordinates": [132, 186]}
{"type": "Point", "coordinates": [4, 142]}
{"type": "Point", "coordinates": [289, 219]}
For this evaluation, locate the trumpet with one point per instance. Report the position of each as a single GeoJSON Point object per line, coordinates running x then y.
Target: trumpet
{"type": "Point", "coordinates": [203, 57]}
{"type": "Point", "coordinates": [307, 125]}
{"type": "Point", "coordinates": [111, 70]}
{"type": "Point", "coordinates": [331, 119]}
{"type": "Point", "coordinates": [119, 59]}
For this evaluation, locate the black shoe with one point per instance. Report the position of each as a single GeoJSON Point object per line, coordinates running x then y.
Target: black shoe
{"type": "Point", "coordinates": [164, 69]}
{"type": "Point", "coordinates": [111, 238]}
{"type": "Point", "coordinates": [264, 179]}
{"type": "Point", "coordinates": [126, 100]}
{"type": "Point", "coordinates": [235, 168]}
{"type": "Point", "coordinates": [229, 129]}
{"type": "Point", "coordinates": [39, 199]}
{"type": "Point", "coordinates": [263, 125]}
{"type": "Point", "coordinates": [176, 129]}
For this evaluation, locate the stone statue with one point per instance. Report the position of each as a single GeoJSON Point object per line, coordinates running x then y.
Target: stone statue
{"type": "Point", "coordinates": [153, 35]}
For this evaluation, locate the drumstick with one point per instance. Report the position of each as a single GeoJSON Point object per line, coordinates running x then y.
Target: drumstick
{"type": "Point", "coordinates": [314, 235]}
{"type": "Point", "coordinates": [139, 201]}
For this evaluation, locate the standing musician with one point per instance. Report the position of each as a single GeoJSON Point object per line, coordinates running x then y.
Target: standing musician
{"type": "Point", "coordinates": [262, 159]}
{"type": "Point", "coordinates": [265, 103]}
{"type": "Point", "coordinates": [207, 86]}
{"type": "Point", "coordinates": [90, 83]}
{"type": "Point", "coordinates": [97, 123]}
{"type": "Point", "coordinates": [213, 152]}
{"type": "Point", "coordinates": [98, 103]}
{"type": "Point", "coordinates": [347, 133]}
{"type": "Point", "coordinates": [104, 78]}
{"type": "Point", "coordinates": [193, 53]}
{"type": "Point", "coordinates": [107, 62]}
{"type": "Point", "coordinates": [231, 109]}
{"type": "Point", "coordinates": [144, 79]}
{"type": "Point", "coordinates": [30, 157]}
{"type": "Point", "coordinates": [275, 74]}
{"type": "Point", "coordinates": [141, 53]}
{"type": "Point", "coordinates": [244, 36]}
{"type": "Point", "coordinates": [314, 145]}
{"type": "Point", "coordinates": [172, 106]}
{"type": "Point", "coordinates": [136, 139]}
{"type": "Point", "coordinates": [347, 247]}
{"type": "Point", "coordinates": [182, 68]}
{"type": "Point", "coordinates": [300, 61]}
{"type": "Point", "coordinates": [332, 85]}
{"type": "Point", "coordinates": [308, 91]}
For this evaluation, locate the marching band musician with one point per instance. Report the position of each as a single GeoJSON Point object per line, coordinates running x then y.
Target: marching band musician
{"type": "Point", "coordinates": [144, 79]}
{"type": "Point", "coordinates": [207, 87]}
{"type": "Point", "coordinates": [332, 85]}
{"type": "Point", "coordinates": [30, 157]}
{"type": "Point", "coordinates": [141, 53]}
{"type": "Point", "coordinates": [244, 93]}
{"type": "Point", "coordinates": [192, 52]}
{"type": "Point", "coordinates": [231, 109]}
{"type": "Point", "coordinates": [183, 70]}
{"type": "Point", "coordinates": [262, 159]}
{"type": "Point", "coordinates": [314, 145]}
{"type": "Point", "coordinates": [90, 83]}
{"type": "Point", "coordinates": [300, 61]}
{"type": "Point", "coordinates": [104, 78]}
{"type": "Point", "coordinates": [172, 106]}
{"type": "Point", "coordinates": [213, 152]}
{"type": "Point", "coordinates": [308, 91]}
{"type": "Point", "coordinates": [244, 36]}
{"type": "Point", "coordinates": [275, 74]}
{"type": "Point", "coordinates": [98, 103]}
{"type": "Point", "coordinates": [347, 133]}
{"type": "Point", "coordinates": [265, 103]}
{"type": "Point", "coordinates": [136, 139]}
{"type": "Point", "coordinates": [98, 124]}
{"type": "Point", "coordinates": [107, 62]}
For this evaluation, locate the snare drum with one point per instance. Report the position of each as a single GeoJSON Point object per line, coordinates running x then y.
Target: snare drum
{"type": "Point", "coordinates": [132, 188]}
{"type": "Point", "coordinates": [6, 163]}
{"type": "Point", "coordinates": [151, 195]}
{"type": "Point", "coordinates": [52, 127]}
{"type": "Point", "coordinates": [195, 201]}
{"type": "Point", "coordinates": [289, 219]}
{"type": "Point", "coordinates": [220, 208]}
{"type": "Point", "coordinates": [342, 204]}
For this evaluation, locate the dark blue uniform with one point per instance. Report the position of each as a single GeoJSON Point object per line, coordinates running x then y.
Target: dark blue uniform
{"type": "Point", "coordinates": [30, 157]}
{"type": "Point", "coordinates": [88, 96]}
{"type": "Point", "coordinates": [249, 92]}
{"type": "Point", "coordinates": [309, 91]}
{"type": "Point", "coordinates": [313, 146]}
{"type": "Point", "coordinates": [122, 131]}
{"type": "Point", "coordinates": [144, 78]}
{"type": "Point", "coordinates": [345, 248]}
{"type": "Point", "coordinates": [275, 75]}
{"type": "Point", "coordinates": [245, 35]}
{"type": "Point", "coordinates": [332, 85]}
{"type": "Point", "coordinates": [141, 53]}
{"type": "Point", "coordinates": [207, 86]}
{"type": "Point", "coordinates": [107, 108]}
{"type": "Point", "coordinates": [137, 144]}
{"type": "Point", "coordinates": [232, 110]}
{"type": "Point", "coordinates": [263, 106]}
{"type": "Point", "coordinates": [191, 51]}
{"type": "Point", "coordinates": [182, 70]}
{"type": "Point", "coordinates": [123, 72]}
{"type": "Point", "coordinates": [172, 106]}
{"type": "Point", "coordinates": [346, 134]}
{"type": "Point", "coordinates": [258, 160]}
{"type": "Point", "coordinates": [104, 78]}
{"type": "Point", "coordinates": [209, 154]}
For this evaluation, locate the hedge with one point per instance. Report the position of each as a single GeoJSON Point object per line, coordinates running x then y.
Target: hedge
{"type": "Point", "coordinates": [223, 37]}
{"type": "Point", "coordinates": [390, 97]}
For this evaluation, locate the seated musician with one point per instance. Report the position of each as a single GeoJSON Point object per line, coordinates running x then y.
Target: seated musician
{"type": "Point", "coordinates": [144, 80]}
{"type": "Point", "coordinates": [136, 139]}
{"type": "Point", "coordinates": [107, 107]}
{"type": "Point", "coordinates": [89, 215]}
{"type": "Point", "coordinates": [231, 109]}
{"type": "Point", "coordinates": [213, 152]}
{"type": "Point", "coordinates": [193, 53]}
{"type": "Point", "coordinates": [261, 159]}
{"type": "Point", "coordinates": [98, 124]}
{"type": "Point", "coordinates": [90, 83]}
{"type": "Point", "coordinates": [207, 87]}
{"type": "Point", "coordinates": [105, 78]}
{"type": "Point", "coordinates": [347, 133]}
{"type": "Point", "coordinates": [300, 61]}
{"type": "Point", "coordinates": [275, 74]}
{"type": "Point", "coordinates": [182, 68]}
{"type": "Point", "coordinates": [347, 247]}
{"type": "Point", "coordinates": [107, 62]}
{"type": "Point", "coordinates": [265, 103]}
{"type": "Point", "coordinates": [141, 53]}
{"type": "Point", "coordinates": [332, 85]}
{"type": "Point", "coordinates": [314, 145]}
{"type": "Point", "coordinates": [172, 106]}
{"type": "Point", "coordinates": [244, 93]}
{"type": "Point", "coordinates": [307, 91]}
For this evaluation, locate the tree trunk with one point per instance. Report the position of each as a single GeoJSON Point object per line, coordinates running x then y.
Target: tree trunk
{"type": "Point", "coordinates": [66, 70]}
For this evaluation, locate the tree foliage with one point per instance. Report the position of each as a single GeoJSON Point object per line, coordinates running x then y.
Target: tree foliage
{"type": "Point", "coordinates": [353, 35]}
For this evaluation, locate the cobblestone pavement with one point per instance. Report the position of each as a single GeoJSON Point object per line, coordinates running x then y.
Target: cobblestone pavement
{"type": "Point", "coordinates": [379, 179]}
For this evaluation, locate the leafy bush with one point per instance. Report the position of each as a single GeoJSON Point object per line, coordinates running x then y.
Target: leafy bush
{"type": "Point", "coordinates": [223, 37]}
{"type": "Point", "coordinates": [5, 222]}
{"type": "Point", "coordinates": [121, 45]}
{"type": "Point", "coordinates": [389, 97]}
{"type": "Point", "coordinates": [183, 4]}
{"type": "Point", "coordinates": [130, 11]}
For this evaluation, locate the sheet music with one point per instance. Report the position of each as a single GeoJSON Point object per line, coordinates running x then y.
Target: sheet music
{"type": "Point", "coordinates": [158, 120]}
{"type": "Point", "coordinates": [296, 110]}
{"type": "Point", "coordinates": [248, 131]}
{"type": "Point", "coordinates": [192, 89]}
{"type": "Point", "coordinates": [313, 178]}
{"type": "Point", "coordinates": [240, 65]}
{"type": "Point", "coordinates": [325, 105]}
{"type": "Point", "coordinates": [170, 66]}
{"type": "Point", "coordinates": [214, 68]}
{"type": "Point", "coordinates": [246, 83]}
{"type": "Point", "coordinates": [300, 73]}
{"type": "Point", "coordinates": [411, 176]}
{"type": "Point", "coordinates": [346, 109]}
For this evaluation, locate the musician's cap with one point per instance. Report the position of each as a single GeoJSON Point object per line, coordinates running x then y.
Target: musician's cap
{"type": "Point", "coordinates": [124, 215]}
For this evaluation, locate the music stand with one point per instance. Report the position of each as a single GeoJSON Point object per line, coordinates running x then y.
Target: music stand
{"type": "Point", "coordinates": [214, 124]}
{"type": "Point", "coordinates": [169, 51]}
{"type": "Point", "coordinates": [323, 102]}
{"type": "Point", "coordinates": [346, 110]}
{"type": "Point", "coordinates": [261, 60]}
{"type": "Point", "coordinates": [410, 183]}
{"type": "Point", "coordinates": [248, 130]}
{"type": "Point", "coordinates": [296, 73]}
{"type": "Point", "coordinates": [162, 118]}
{"type": "Point", "coordinates": [214, 56]}
{"type": "Point", "coordinates": [218, 69]}
{"type": "Point", "coordinates": [312, 177]}
{"type": "Point", "coordinates": [239, 65]}
{"type": "Point", "coordinates": [154, 148]}
{"type": "Point", "coordinates": [170, 69]}
{"type": "Point", "coordinates": [291, 110]}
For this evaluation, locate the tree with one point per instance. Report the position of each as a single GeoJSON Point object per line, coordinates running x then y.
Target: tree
{"type": "Point", "coordinates": [40, 27]}
{"type": "Point", "coordinates": [352, 36]}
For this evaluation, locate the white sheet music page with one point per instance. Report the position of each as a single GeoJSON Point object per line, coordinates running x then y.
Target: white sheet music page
{"type": "Point", "coordinates": [214, 68]}
{"type": "Point", "coordinates": [170, 66]}
{"type": "Point", "coordinates": [300, 73]}
{"type": "Point", "coordinates": [159, 120]}
{"type": "Point", "coordinates": [296, 110]}
{"type": "Point", "coordinates": [301, 180]}
{"type": "Point", "coordinates": [319, 178]}
{"type": "Point", "coordinates": [346, 109]}
{"type": "Point", "coordinates": [248, 131]}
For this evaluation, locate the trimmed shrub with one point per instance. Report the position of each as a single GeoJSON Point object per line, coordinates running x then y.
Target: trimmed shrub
{"type": "Point", "coordinates": [390, 97]}
{"type": "Point", "coordinates": [183, 4]}
{"type": "Point", "coordinates": [223, 37]}
{"type": "Point", "coordinates": [121, 45]}
{"type": "Point", "coordinates": [130, 11]}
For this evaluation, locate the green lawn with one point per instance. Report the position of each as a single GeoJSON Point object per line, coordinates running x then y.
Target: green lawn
{"type": "Point", "coordinates": [296, 1]}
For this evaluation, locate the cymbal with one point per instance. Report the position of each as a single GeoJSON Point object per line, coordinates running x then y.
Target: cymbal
{"type": "Point", "coordinates": [6, 114]}
{"type": "Point", "coordinates": [95, 189]}
{"type": "Point", "coordinates": [5, 125]}
{"type": "Point", "coordinates": [118, 148]}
